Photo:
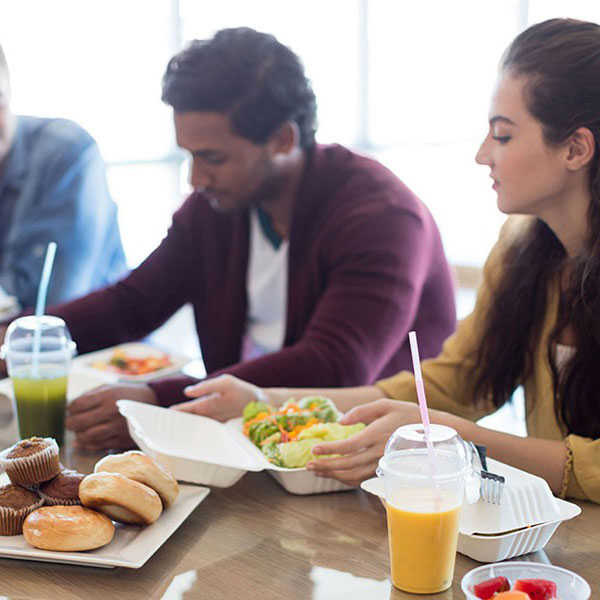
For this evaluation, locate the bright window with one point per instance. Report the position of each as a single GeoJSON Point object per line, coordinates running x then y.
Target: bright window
{"type": "Point", "coordinates": [408, 82]}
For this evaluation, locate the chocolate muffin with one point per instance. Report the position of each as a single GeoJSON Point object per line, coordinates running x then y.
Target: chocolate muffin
{"type": "Point", "coordinates": [31, 461]}
{"type": "Point", "coordinates": [63, 489]}
{"type": "Point", "coordinates": [15, 504]}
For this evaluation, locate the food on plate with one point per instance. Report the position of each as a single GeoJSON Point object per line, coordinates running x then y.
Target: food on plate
{"type": "Point", "coordinates": [499, 588]}
{"type": "Point", "coordinates": [62, 489]}
{"type": "Point", "coordinates": [126, 364]}
{"type": "Point", "coordinates": [140, 467]}
{"type": "Point", "coordinates": [287, 435]}
{"type": "Point", "coordinates": [121, 498]}
{"type": "Point", "coordinates": [67, 528]}
{"type": "Point", "coordinates": [130, 487]}
{"type": "Point", "coordinates": [31, 461]}
{"type": "Point", "coordinates": [15, 504]}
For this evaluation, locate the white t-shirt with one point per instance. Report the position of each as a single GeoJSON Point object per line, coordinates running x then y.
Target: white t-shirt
{"type": "Point", "coordinates": [266, 287]}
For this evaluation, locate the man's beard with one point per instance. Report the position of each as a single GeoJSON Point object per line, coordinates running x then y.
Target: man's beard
{"type": "Point", "coordinates": [268, 189]}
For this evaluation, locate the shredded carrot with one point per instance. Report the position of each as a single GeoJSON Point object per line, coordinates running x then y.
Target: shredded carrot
{"type": "Point", "coordinates": [294, 433]}
{"type": "Point", "coordinates": [263, 416]}
{"type": "Point", "coordinates": [259, 417]}
{"type": "Point", "coordinates": [291, 409]}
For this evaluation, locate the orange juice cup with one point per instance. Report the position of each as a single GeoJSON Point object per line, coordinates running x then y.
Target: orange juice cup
{"type": "Point", "coordinates": [423, 510]}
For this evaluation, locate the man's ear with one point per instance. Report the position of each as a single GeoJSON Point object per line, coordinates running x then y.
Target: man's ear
{"type": "Point", "coordinates": [285, 138]}
{"type": "Point", "coordinates": [581, 148]}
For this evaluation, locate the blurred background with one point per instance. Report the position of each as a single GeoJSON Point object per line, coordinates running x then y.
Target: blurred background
{"type": "Point", "coordinates": [406, 81]}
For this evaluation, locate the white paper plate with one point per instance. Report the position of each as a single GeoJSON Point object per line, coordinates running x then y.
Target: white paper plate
{"type": "Point", "coordinates": [204, 451]}
{"type": "Point", "coordinates": [523, 497]}
{"type": "Point", "coordinates": [85, 363]}
{"type": "Point", "coordinates": [131, 546]}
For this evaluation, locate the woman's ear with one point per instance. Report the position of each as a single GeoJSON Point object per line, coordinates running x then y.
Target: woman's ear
{"type": "Point", "coordinates": [285, 138]}
{"type": "Point", "coordinates": [581, 148]}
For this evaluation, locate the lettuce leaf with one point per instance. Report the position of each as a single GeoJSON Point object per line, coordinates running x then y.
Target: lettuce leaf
{"type": "Point", "coordinates": [322, 408]}
{"type": "Point", "coordinates": [254, 408]}
{"type": "Point", "coordinates": [298, 453]}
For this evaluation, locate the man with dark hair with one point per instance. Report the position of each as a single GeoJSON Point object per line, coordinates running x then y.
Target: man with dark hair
{"type": "Point", "coordinates": [52, 188]}
{"type": "Point", "coordinates": [305, 264]}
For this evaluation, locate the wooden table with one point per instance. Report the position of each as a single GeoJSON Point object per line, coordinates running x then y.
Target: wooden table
{"type": "Point", "coordinates": [256, 541]}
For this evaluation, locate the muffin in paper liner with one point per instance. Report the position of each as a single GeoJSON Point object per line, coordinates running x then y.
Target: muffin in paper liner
{"type": "Point", "coordinates": [34, 460]}
{"type": "Point", "coordinates": [62, 490]}
{"type": "Point", "coordinates": [12, 517]}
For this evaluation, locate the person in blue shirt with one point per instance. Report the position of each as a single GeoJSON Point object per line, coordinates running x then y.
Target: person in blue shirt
{"type": "Point", "coordinates": [53, 188]}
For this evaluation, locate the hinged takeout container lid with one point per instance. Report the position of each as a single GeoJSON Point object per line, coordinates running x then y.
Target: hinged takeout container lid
{"type": "Point", "coordinates": [201, 450]}
{"type": "Point", "coordinates": [187, 436]}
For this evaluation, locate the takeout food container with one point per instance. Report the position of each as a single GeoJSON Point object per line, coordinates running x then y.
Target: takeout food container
{"type": "Point", "coordinates": [201, 450]}
{"type": "Point", "coordinates": [523, 522]}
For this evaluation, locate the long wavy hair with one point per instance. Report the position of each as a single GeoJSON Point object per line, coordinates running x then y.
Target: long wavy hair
{"type": "Point", "coordinates": [561, 60]}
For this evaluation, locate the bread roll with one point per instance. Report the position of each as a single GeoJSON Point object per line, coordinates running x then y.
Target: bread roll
{"type": "Point", "coordinates": [67, 528]}
{"type": "Point", "coordinates": [140, 467]}
{"type": "Point", "coordinates": [121, 498]}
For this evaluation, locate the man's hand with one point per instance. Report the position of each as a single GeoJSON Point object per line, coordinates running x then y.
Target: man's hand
{"type": "Point", "coordinates": [95, 419]}
{"type": "Point", "coordinates": [221, 398]}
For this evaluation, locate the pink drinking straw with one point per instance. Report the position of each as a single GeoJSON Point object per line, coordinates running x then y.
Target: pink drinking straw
{"type": "Point", "coordinates": [414, 350]}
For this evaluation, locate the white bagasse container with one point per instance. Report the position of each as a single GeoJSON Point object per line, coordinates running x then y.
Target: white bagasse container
{"type": "Point", "coordinates": [201, 450]}
{"type": "Point", "coordinates": [486, 531]}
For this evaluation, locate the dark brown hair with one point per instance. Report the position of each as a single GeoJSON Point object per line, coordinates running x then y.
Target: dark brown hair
{"type": "Point", "coordinates": [256, 80]}
{"type": "Point", "coordinates": [561, 60]}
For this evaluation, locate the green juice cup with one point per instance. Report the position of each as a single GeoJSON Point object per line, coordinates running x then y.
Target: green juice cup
{"type": "Point", "coordinates": [38, 353]}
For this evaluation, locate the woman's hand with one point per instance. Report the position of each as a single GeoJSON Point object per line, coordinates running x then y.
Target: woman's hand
{"type": "Point", "coordinates": [361, 452]}
{"type": "Point", "coordinates": [221, 398]}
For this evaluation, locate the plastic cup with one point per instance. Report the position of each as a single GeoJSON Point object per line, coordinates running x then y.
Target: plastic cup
{"type": "Point", "coordinates": [570, 586]}
{"type": "Point", "coordinates": [39, 378]}
{"type": "Point", "coordinates": [423, 508]}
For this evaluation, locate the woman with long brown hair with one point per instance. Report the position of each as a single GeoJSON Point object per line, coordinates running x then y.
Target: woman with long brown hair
{"type": "Point", "coordinates": [536, 322]}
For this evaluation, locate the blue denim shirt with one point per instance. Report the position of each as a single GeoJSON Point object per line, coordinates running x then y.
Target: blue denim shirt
{"type": "Point", "coordinates": [54, 189]}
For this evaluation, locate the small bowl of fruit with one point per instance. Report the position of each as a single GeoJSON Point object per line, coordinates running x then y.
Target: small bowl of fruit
{"type": "Point", "coordinates": [516, 580]}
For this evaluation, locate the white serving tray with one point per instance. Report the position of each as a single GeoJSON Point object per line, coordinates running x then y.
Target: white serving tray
{"type": "Point", "coordinates": [85, 363]}
{"type": "Point", "coordinates": [527, 506]}
{"type": "Point", "coordinates": [131, 546]}
{"type": "Point", "coordinates": [201, 450]}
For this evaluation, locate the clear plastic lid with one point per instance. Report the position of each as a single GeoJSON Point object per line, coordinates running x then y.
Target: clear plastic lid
{"type": "Point", "coordinates": [443, 438]}
{"type": "Point", "coordinates": [406, 457]}
{"type": "Point", "coordinates": [51, 332]}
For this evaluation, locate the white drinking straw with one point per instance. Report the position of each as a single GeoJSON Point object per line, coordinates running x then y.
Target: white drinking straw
{"type": "Point", "coordinates": [40, 304]}
{"type": "Point", "coordinates": [414, 350]}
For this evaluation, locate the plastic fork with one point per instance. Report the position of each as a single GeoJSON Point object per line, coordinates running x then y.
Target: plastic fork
{"type": "Point", "coordinates": [492, 484]}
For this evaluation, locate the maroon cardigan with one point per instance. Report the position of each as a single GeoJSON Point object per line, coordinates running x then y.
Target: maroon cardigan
{"type": "Point", "coordinates": [366, 265]}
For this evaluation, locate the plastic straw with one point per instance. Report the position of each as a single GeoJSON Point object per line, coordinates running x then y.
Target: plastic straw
{"type": "Point", "coordinates": [414, 350]}
{"type": "Point", "coordinates": [40, 304]}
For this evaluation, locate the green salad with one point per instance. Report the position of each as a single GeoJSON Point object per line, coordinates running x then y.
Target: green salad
{"type": "Point", "coordinates": [286, 435]}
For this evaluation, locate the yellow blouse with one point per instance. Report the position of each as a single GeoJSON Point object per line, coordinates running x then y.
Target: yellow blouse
{"type": "Point", "coordinates": [447, 379]}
